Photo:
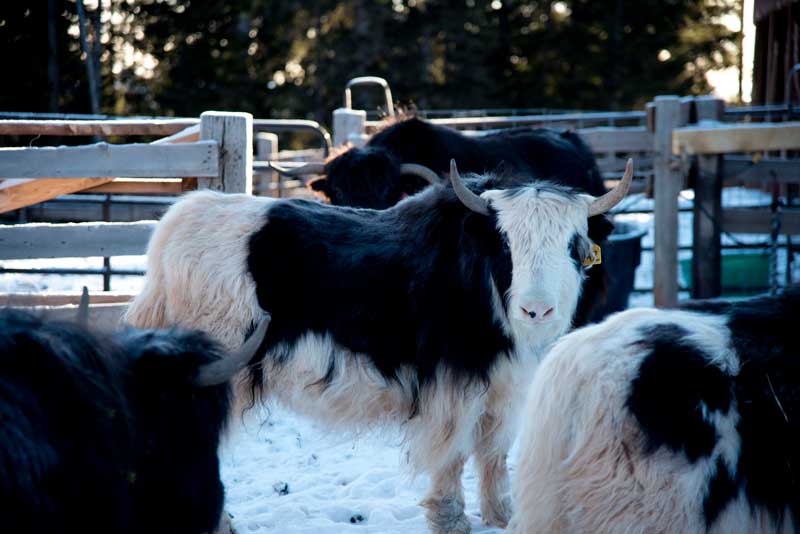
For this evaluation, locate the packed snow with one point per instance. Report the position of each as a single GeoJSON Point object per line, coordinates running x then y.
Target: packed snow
{"type": "Point", "coordinates": [286, 474]}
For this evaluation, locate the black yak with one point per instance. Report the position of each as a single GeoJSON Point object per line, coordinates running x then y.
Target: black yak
{"type": "Point", "coordinates": [111, 432]}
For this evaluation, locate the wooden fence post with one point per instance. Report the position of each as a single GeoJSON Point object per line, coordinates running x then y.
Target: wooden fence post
{"type": "Point", "coordinates": [706, 253]}
{"type": "Point", "coordinates": [667, 184]}
{"type": "Point", "coordinates": [348, 123]}
{"type": "Point", "coordinates": [233, 132]}
{"type": "Point", "coordinates": [267, 149]}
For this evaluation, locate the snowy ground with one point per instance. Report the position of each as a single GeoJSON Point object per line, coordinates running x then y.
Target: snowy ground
{"type": "Point", "coordinates": [289, 476]}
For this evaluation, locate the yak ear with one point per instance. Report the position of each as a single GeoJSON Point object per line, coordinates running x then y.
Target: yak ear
{"type": "Point", "coordinates": [319, 184]}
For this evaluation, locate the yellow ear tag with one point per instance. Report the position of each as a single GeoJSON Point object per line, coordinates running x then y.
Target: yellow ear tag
{"type": "Point", "coordinates": [596, 257]}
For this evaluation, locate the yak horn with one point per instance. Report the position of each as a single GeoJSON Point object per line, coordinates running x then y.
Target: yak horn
{"type": "Point", "coordinates": [467, 197]}
{"type": "Point", "coordinates": [308, 168]}
{"type": "Point", "coordinates": [604, 203]}
{"type": "Point", "coordinates": [83, 309]}
{"type": "Point", "coordinates": [422, 171]}
{"type": "Point", "coordinates": [221, 371]}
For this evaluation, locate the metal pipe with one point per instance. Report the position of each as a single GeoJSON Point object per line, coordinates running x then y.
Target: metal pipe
{"type": "Point", "coordinates": [369, 80]}
{"type": "Point", "coordinates": [295, 125]}
{"type": "Point", "coordinates": [72, 271]}
{"type": "Point", "coordinates": [787, 88]}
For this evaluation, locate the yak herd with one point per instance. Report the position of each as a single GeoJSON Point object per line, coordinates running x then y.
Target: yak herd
{"type": "Point", "coordinates": [455, 308]}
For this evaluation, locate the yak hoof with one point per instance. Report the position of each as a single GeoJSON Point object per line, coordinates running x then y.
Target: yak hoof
{"type": "Point", "coordinates": [496, 514]}
{"type": "Point", "coordinates": [225, 524]}
{"type": "Point", "coordinates": [446, 516]}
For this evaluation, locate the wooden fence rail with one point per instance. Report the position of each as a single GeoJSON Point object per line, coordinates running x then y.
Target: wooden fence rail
{"type": "Point", "coordinates": [719, 138]}
{"type": "Point", "coordinates": [200, 159]}
{"type": "Point", "coordinates": [96, 127]}
{"type": "Point", "coordinates": [74, 240]}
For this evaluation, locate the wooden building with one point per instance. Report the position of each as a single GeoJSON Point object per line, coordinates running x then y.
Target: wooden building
{"type": "Point", "coordinates": [776, 50]}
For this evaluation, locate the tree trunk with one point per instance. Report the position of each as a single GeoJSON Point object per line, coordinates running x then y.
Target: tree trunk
{"type": "Point", "coordinates": [52, 54]}
{"type": "Point", "coordinates": [97, 46]}
{"type": "Point", "coordinates": [91, 74]}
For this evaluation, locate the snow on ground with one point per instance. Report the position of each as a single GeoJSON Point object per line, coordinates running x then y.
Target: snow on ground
{"type": "Point", "coordinates": [288, 475]}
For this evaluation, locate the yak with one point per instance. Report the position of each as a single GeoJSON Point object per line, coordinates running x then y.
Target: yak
{"type": "Point", "coordinates": [680, 420]}
{"type": "Point", "coordinates": [111, 432]}
{"type": "Point", "coordinates": [430, 315]}
{"type": "Point", "coordinates": [410, 154]}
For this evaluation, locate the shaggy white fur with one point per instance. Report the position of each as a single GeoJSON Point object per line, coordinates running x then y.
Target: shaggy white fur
{"type": "Point", "coordinates": [582, 467]}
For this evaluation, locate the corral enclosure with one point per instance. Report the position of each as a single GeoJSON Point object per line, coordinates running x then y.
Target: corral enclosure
{"type": "Point", "coordinates": [720, 184]}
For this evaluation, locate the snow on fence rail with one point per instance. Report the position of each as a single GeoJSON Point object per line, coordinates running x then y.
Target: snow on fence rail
{"type": "Point", "coordinates": [96, 127]}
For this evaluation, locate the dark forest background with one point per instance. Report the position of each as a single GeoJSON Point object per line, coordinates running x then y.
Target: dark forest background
{"type": "Point", "coordinates": [278, 58]}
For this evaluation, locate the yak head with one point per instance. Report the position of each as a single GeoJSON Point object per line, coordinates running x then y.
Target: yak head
{"type": "Point", "coordinates": [546, 229]}
{"type": "Point", "coordinates": [370, 177]}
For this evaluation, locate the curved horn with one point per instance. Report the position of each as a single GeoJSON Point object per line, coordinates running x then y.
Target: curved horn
{"type": "Point", "coordinates": [467, 197]}
{"type": "Point", "coordinates": [221, 371]}
{"type": "Point", "coordinates": [309, 168]}
{"type": "Point", "coordinates": [422, 171]}
{"type": "Point", "coordinates": [604, 203]}
{"type": "Point", "coordinates": [83, 308]}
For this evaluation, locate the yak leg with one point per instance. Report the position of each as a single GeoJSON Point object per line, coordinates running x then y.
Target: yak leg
{"type": "Point", "coordinates": [445, 501]}
{"type": "Point", "coordinates": [225, 524]}
{"type": "Point", "coordinates": [491, 450]}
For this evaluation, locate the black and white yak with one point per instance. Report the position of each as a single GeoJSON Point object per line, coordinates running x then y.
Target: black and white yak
{"type": "Point", "coordinates": [111, 433]}
{"type": "Point", "coordinates": [430, 314]}
{"type": "Point", "coordinates": [408, 155]}
{"type": "Point", "coordinates": [667, 421]}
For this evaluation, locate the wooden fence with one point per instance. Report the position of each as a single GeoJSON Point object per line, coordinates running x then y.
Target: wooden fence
{"type": "Point", "coordinates": [734, 152]}
{"type": "Point", "coordinates": [661, 139]}
{"type": "Point", "coordinates": [214, 151]}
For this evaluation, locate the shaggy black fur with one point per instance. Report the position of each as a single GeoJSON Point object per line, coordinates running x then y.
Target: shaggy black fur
{"type": "Point", "coordinates": [667, 393]}
{"type": "Point", "coordinates": [107, 434]}
{"type": "Point", "coordinates": [676, 376]}
{"type": "Point", "coordinates": [369, 177]}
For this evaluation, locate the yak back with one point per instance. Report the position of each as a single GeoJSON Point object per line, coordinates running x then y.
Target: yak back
{"type": "Point", "coordinates": [766, 390]}
{"type": "Point", "coordinates": [520, 155]}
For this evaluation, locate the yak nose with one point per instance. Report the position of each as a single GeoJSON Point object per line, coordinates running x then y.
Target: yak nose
{"type": "Point", "coordinates": [539, 311]}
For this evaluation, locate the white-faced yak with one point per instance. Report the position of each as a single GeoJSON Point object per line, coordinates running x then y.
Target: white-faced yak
{"type": "Point", "coordinates": [408, 155]}
{"type": "Point", "coordinates": [667, 421]}
{"type": "Point", "coordinates": [111, 433]}
{"type": "Point", "coordinates": [431, 314]}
